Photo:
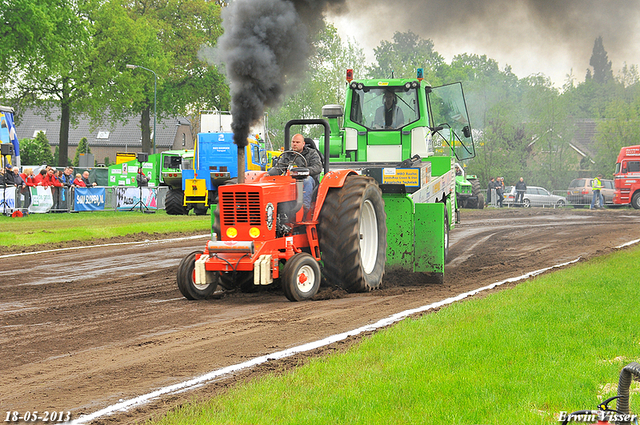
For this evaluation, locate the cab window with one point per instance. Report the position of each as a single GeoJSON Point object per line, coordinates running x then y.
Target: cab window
{"type": "Point", "coordinates": [633, 166]}
{"type": "Point", "coordinates": [384, 108]}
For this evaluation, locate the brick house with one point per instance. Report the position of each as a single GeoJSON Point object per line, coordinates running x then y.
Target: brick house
{"type": "Point", "coordinates": [105, 140]}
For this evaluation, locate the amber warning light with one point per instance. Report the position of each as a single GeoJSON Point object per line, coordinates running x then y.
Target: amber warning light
{"type": "Point", "coordinates": [349, 75]}
{"type": "Point", "coordinates": [420, 74]}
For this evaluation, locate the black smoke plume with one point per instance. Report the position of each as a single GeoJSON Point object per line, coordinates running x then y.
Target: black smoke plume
{"type": "Point", "coordinates": [265, 48]}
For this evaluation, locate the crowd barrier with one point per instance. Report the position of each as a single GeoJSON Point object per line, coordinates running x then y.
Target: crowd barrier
{"type": "Point", "coordinates": [42, 200]}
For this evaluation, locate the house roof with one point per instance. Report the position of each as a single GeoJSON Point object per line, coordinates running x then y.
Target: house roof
{"type": "Point", "coordinates": [125, 134]}
{"type": "Point", "coordinates": [585, 136]}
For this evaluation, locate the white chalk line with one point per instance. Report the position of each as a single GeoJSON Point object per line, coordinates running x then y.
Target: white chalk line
{"type": "Point", "coordinates": [125, 405]}
{"type": "Point", "coordinates": [146, 241]}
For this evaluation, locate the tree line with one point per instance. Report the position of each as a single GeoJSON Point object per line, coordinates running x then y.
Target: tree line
{"type": "Point", "coordinates": [73, 55]}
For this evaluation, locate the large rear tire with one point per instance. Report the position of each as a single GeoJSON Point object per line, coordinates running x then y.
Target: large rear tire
{"type": "Point", "coordinates": [476, 190]}
{"type": "Point", "coordinates": [301, 277]}
{"type": "Point", "coordinates": [353, 235]}
{"type": "Point", "coordinates": [173, 203]}
{"type": "Point", "coordinates": [187, 279]}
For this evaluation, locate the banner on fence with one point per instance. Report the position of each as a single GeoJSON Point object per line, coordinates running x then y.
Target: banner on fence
{"type": "Point", "coordinates": [7, 199]}
{"type": "Point", "coordinates": [89, 199]}
{"type": "Point", "coordinates": [41, 199]}
{"type": "Point", "coordinates": [128, 198]}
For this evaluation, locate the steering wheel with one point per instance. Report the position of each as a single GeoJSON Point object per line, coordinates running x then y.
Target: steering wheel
{"type": "Point", "coordinates": [292, 161]}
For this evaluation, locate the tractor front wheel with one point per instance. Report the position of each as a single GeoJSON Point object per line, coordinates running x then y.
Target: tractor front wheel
{"type": "Point", "coordinates": [353, 235]}
{"type": "Point", "coordinates": [187, 279]}
{"type": "Point", "coordinates": [301, 277]}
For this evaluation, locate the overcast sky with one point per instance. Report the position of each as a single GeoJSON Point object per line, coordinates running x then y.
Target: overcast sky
{"type": "Point", "coordinates": [552, 37]}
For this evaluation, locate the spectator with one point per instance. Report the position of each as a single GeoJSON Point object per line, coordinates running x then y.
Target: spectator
{"type": "Point", "coordinates": [85, 179]}
{"type": "Point", "coordinates": [78, 181]}
{"type": "Point", "coordinates": [141, 179]}
{"type": "Point", "coordinates": [500, 191]}
{"type": "Point", "coordinates": [2, 179]}
{"type": "Point", "coordinates": [521, 187]}
{"type": "Point", "coordinates": [28, 177]}
{"type": "Point", "coordinates": [492, 185]}
{"type": "Point", "coordinates": [52, 181]}
{"type": "Point", "coordinates": [8, 176]}
{"type": "Point", "coordinates": [67, 177]}
{"type": "Point", "coordinates": [17, 178]}
{"type": "Point", "coordinates": [39, 179]}
{"type": "Point", "coordinates": [22, 192]}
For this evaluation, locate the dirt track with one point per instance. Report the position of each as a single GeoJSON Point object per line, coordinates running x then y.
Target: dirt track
{"type": "Point", "coordinates": [84, 328]}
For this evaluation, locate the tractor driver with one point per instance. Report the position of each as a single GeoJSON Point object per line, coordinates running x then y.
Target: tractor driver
{"type": "Point", "coordinates": [314, 164]}
{"type": "Point", "coordinates": [389, 115]}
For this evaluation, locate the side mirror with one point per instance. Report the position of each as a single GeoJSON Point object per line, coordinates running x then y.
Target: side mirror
{"type": "Point", "coordinates": [466, 131]}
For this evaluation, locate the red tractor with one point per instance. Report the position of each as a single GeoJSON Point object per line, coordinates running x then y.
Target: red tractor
{"type": "Point", "coordinates": [261, 226]}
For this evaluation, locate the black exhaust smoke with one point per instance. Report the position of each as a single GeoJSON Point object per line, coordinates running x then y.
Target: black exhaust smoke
{"type": "Point", "coordinates": [265, 49]}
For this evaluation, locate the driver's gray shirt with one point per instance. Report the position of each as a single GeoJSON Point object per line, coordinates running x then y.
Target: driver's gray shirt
{"type": "Point", "coordinates": [314, 164]}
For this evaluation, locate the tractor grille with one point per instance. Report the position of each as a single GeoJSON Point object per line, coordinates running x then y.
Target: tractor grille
{"type": "Point", "coordinates": [241, 207]}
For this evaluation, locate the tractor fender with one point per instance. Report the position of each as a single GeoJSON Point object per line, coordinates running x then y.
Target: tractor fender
{"type": "Point", "coordinates": [331, 180]}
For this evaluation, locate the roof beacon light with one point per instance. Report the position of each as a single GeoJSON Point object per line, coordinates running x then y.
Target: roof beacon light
{"type": "Point", "coordinates": [420, 74]}
{"type": "Point", "coordinates": [349, 75]}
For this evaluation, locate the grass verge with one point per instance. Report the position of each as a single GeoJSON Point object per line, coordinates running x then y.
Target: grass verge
{"type": "Point", "coordinates": [52, 228]}
{"type": "Point", "coordinates": [554, 343]}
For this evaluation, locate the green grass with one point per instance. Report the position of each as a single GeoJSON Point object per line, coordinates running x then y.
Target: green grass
{"type": "Point", "coordinates": [52, 228]}
{"type": "Point", "coordinates": [554, 343]}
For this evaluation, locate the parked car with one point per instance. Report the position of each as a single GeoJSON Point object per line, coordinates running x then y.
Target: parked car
{"type": "Point", "coordinates": [580, 193]}
{"type": "Point", "coordinates": [534, 196]}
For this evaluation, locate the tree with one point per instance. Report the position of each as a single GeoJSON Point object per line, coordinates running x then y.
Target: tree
{"type": "Point", "coordinates": [166, 37]}
{"type": "Point", "coordinates": [600, 62]}
{"type": "Point", "coordinates": [83, 147]}
{"type": "Point", "coordinates": [403, 56]}
{"type": "Point", "coordinates": [36, 151]}
{"type": "Point", "coordinates": [50, 63]}
{"type": "Point", "coordinates": [618, 130]}
{"type": "Point", "coordinates": [553, 161]}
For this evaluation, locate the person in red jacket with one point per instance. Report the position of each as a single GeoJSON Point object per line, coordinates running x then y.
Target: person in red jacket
{"type": "Point", "coordinates": [52, 181]}
{"type": "Point", "coordinates": [28, 177]}
{"type": "Point", "coordinates": [39, 179]}
{"type": "Point", "coordinates": [78, 181]}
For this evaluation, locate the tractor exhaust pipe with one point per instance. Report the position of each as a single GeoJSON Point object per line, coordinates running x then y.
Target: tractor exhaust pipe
{"type": "Point", "coordinates": [241, 161]}
{"type": "Point", "coordinates": [628, 373]}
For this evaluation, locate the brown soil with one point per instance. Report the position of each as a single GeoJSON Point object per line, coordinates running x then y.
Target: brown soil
{"type": "Point", "coordinates": [83, 328]}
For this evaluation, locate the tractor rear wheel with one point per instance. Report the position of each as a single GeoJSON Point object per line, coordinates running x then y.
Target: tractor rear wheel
{"type": "Point", "coordinates": [301, 277]}
{"type": "Point", "coordinates": [353, 235]}
{"type": "Point", "coordinates": [476, 190]}
{"type": "Point", "coordinates": [187, 279]}
{"type": "Point", "coordinates": [173, 203]}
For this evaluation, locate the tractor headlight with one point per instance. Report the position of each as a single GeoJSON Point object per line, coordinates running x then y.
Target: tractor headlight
{"type": "Point", "coordinates": [232, 232]}
{"type": "Point", "coordinates": [254, 232]}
